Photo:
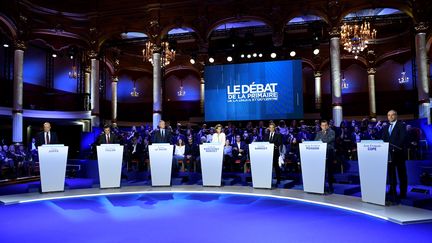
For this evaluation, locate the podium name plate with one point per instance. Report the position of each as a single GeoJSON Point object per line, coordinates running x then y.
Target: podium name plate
{"type": "Point", "coordinates": [110, 158]}
{"type": "Point", "coordinates": [52, 165]}
{"type": "Point", "coordinates": [261, 156]}
{"type": "Point", "coordinates": [313, 165]}
{"type": "Point", "coordinates": [211, 155]}
{"type": "Point", "coordinates": [161, 155]}
{"type": "Point", "coordinates": [373, 159]}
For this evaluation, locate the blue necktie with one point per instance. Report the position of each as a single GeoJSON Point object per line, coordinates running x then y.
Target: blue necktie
{"type": "Point", "coordinates": [390, 128]}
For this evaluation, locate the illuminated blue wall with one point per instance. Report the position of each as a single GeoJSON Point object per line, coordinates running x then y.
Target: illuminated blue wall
{"type": "Point", "coordinates": [125, 84]}
{"type": "Point", "coordinates": [191, 84]}
{"type": "Point", "coordinates": [62, 66]}
{"type": "Point", "coordinates": [34, 66]}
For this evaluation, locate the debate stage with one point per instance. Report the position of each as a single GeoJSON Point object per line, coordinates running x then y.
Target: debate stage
{"type": "Point", "coordinates": [399, 214]}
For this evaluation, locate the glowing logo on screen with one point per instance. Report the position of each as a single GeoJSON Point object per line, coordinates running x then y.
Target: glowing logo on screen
{"type": "Point", "coordinates": [252, 92]}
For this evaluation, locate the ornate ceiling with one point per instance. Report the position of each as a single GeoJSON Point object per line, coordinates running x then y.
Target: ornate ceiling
{"type": "Point", "coordinates": [205, 28]}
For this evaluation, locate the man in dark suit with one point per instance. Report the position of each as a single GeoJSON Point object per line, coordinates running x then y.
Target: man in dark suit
{"type": "Point", "coordinates": [239, 151]}
{"type": "Point", "coordinates": [276, 139]}
{"type": "Point", "coordinates": [47, 136]}
{"type": "Point", "coordinates": [395, 134]}
{"type": "Point", "coordinates": [192, 153]}
{"type": "Point", "coordinates": [162, 135]}
{"type": "Point", "coordinates": [327, 135]}
{"type": "Point", "coordinates": [107, 137]}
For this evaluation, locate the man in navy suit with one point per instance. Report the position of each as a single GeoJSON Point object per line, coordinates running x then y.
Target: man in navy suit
{"type": "Point", "coordinates": [47, 136]}
{"type": "Point", "coordinates": [276, 139]}
{"type": "Point", "coordinates": [395, 134]}
{"type": "Point", "coordinates": [107, 137]}
{"type": "Point", "coordinates": [162, 135]}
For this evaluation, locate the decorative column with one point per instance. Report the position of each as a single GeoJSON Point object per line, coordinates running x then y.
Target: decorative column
{"type": "Point", "coordinates": [318, 101]}
{"type": "Point", "coordinates": [17, 107]}
{"type": "Point", "coordinates": [95, 111]}
{"type": "Point", "coordinates": [422, 73]}
{"type": "Point", "coordinates": [371, 87]}
{"type": "Point", "coordinates": [202, 95]}
{"type": "Point", "coordinates": [157, 87]}
{"type": "Point", "coordinates": [87, 78]}
{"type": "Point", "coordinates": [335, 77]}
{"type": "Point", "coordinates": [114, 99]}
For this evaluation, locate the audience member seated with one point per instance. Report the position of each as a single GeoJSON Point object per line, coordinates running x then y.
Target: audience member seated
{"type": "Point", "coordinates": [191, 154]}
{"type": "Point", "coordinates": [228, 155]}
{"type": "Point", "coordinates": [239, 151]}
{"type": "Point", "coordinates": [413, 138]}
{"type": "Point", "coordinates": [135, 154]}
{"type": "Point", "coordinates": [179, 154]}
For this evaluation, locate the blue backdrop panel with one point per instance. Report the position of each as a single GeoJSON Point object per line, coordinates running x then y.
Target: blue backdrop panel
{"type": "Point", "coordinates": [254, 91]}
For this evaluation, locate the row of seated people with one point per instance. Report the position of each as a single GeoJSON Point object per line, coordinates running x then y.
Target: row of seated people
{"type": "Point", "coordinates": [16, 161]}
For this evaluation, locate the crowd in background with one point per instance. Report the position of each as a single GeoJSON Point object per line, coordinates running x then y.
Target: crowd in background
{"type": "Point", "coordinates": [238, 135]}
{"type": "Point", "coordinates": [19, 160]}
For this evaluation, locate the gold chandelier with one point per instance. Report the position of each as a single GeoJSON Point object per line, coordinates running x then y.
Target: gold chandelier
{"type": "Point", "coordinates": [355, 38]}
{"type": "Point", "coordinates": [167, 54]}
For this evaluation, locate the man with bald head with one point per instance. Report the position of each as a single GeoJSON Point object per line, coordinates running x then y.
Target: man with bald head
{"type": "Point", "coordinates": [162, 135]}
{"type": "Point", "coordinates": [395, 134]}
{"type": "Point", "coordinates": [46, 136]}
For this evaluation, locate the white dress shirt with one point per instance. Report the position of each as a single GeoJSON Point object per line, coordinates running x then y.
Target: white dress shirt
{"type": "Point", "coordinates": [218, 138]}
{"type": "Point", "coordinates": [45, 137]}
{"type": "Point", "coordinates": [179, 150]}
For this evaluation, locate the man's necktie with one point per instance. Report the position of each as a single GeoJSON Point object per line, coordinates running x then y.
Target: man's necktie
{"type": "Point", "coordinates": [47, 139]}
{"type": "Point", "coordinates": [390, 128]}
{"type": "Point", "coordinates": [107, 139]}
{"type": "Point", "coordinates": [271, 137]}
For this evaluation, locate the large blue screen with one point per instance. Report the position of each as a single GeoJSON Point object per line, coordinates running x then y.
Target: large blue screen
{"type": "Point", "coordinates": [254, 91]}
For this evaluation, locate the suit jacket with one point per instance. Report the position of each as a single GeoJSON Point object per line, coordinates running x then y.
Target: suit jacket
{"type": "Point", "coordinates": [277, 141]}
{"type": "Point", "coordinates": [236, 148]}
{"type": "Point", "coordinates": [157, 137]}
{"type": "Point", "coordinates": [40, 138]}
{"type": "Point", "coordinates": [192, 150]}
{"type": "Point", "coordinates": [328, 137]}
{"type": "Point", "coordinates": [397, 139]}
{"type": "Point", "coordinates": [102, 139]}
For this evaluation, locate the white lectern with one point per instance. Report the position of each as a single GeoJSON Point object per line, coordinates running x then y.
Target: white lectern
{"type": "Point", "coordinates": [211, 156]}
{"type": "Point", "coordinates": [52, 166]}
{"type": "Point", "coordinates": [373, 159]}
{"type": "Point", "coordinates": [313, 165]}
{"type": "Point", "coordinates": [161, 155]}
{"type": "Point", "coordinates": [110, 159]}
{"type": "Point", "coordinates": [261, 159]}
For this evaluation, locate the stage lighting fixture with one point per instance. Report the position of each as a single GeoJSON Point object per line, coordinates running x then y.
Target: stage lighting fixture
{"type": "Point", "coordinates": [260, 55]}
{"type": "Point", "coordinates": [273, 55]}
{"type": "Point", "coordinates": [192, 61]}
{"type": "Point", "coordinates": [211, 60]}
{"type": "Point", "coordinates": [292, 53]}
{"type": "Point", "coordinates": [229, 59]}
{"type": "Point", "coordinates": [249, 56]}
{"type": "Point", "coordinates": [6, 45]}
{"type": "Point", "coordinates": [254, 55]}
{"type": "Point", "coordinates": [242, 55]}
{"type": "Point", "coordinates": [316, 51]}
{"type": "Point", "coordinates": [54, 55]}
